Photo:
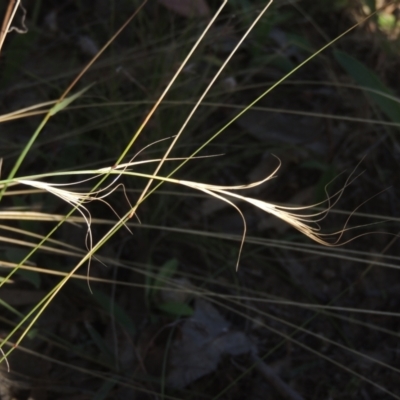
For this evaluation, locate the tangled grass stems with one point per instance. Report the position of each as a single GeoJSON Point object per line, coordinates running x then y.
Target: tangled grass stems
{"type": "Point", "coordinates": [63, 101]}
{"type": "Point", "coordinates": [214, 298]}
{"type": "Point", "coordinates": [305, 223]}
{"type": "Point", "coordinates": [37, 109]}
{"type": "Point", "coordinates": [302, 222]}
{"type": "Point", "coordinates": [299, 221]}
{"type": "Point", "coordinates": [214, 295]}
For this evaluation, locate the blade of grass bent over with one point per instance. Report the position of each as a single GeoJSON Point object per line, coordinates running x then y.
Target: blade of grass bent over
{"type": "Point", "coordinates": [368, 79]}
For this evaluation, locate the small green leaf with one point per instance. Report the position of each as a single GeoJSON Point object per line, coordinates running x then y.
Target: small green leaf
{"type": "Point", "coordinates": [387, 21]}
{"type": "Point", "coordinates": [33, 333]}
{"type": "Point", "coordinates": [314, 164]}
{"type": "Point", "coordinates": [368, 79]}
{"type": "Point", "coordinates": [177, 309]}
{"type": "Point", "coordinates": [166, 272]}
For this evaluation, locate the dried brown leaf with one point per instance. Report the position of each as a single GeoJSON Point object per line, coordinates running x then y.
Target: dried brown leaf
{"type": "Point", "coordinates": [205, 338]}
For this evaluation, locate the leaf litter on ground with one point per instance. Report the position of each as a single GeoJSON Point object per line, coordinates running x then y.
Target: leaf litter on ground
{"type": "Point", "coordinates": [204, 339]}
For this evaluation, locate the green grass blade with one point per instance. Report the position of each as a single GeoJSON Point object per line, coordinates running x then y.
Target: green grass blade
{"type": "Point", "coordinates": [166, 272]}
{"type": "Point", "coordinates": [67, 101]}
{"type": "Point", "coordinates": [54, 110]}
{"type": "Point", "coordinates": [120, 315]}
{"type": "Point", "coordinates": [368, 79]}
{"type": "Point", "coordinates": [176, 309]}
{"type": "Point", "coordinates": [10, 308]}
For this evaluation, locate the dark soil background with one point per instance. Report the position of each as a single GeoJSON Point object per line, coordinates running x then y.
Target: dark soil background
{"type": "Point", "coordinates": [166, 315]}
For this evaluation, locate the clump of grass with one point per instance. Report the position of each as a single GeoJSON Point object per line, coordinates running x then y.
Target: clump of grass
{"type": "Point", "coordinates": [109, 182]}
